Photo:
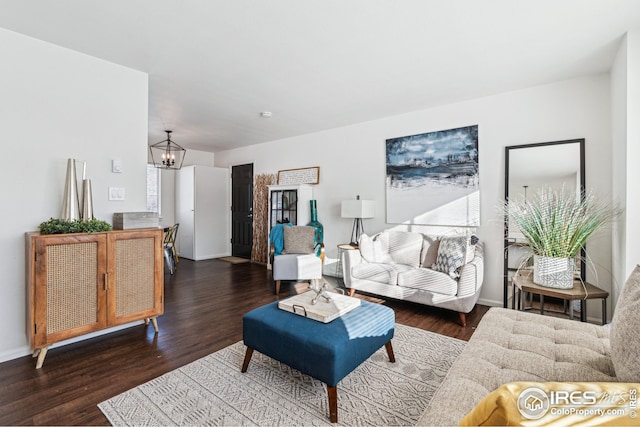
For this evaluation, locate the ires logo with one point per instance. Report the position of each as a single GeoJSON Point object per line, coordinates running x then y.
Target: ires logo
{"type": "Point", "coordinates": [534, 403]}
{"type": "Point", "coordinates": [576, 397]}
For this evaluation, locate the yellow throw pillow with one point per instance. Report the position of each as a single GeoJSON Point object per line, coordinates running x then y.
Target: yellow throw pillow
{"type": "Point", "coordinates": [558, 403]}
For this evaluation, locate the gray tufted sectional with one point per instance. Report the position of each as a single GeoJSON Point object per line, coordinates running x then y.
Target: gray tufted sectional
{"type": "Point", "coordinates": [510, 346]}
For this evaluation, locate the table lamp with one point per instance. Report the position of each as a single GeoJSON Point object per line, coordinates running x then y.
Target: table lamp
{"type": "Point", "coordinates": [357, 209]}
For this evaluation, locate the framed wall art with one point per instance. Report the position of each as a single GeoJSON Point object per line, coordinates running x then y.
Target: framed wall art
{"type": "Point", "coordinates": [433, 179]}
{"type": "Point", "coordinates": [299, 176]}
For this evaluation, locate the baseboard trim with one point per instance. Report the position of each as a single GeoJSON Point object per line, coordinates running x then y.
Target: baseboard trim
{"type": "Point", "coordinates": [490, 302]}
{"type": "Point", "coordinates": [494, 303]}
{"type": "Point", "coordinates": [26, 350]}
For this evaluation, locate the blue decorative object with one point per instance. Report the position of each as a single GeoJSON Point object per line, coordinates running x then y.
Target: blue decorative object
{"type": "Point", "coordinates": [277, 237]}
{"type": "Point", "coordinates": [319, 234]}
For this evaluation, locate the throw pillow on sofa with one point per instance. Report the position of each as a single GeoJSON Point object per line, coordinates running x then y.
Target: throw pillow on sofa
{"type": "Point", "coordinates": [374, 249]}
{"type": "Point", "coordinates": [502, 406]}
{"type": "Point", "coordinates": [429, 253]}
{"type": "Point", "coordinates": [453, 253]}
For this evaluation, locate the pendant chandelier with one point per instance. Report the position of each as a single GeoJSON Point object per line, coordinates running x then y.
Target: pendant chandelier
{"type": "Point", "coordinates": [167, 154]}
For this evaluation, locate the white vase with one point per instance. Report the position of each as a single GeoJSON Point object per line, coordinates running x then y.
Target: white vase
{"type": "Point", "coordinates": [553, 272]}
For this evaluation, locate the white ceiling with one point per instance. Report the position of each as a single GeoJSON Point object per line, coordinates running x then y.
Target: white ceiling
{"type": "Point", "coordinates": [214, 65]}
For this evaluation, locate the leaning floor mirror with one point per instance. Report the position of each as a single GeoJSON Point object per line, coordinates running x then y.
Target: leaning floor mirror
{"type": "Point", "coordinates": [529, 168]}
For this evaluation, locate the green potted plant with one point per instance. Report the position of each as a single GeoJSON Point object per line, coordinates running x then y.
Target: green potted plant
{"type": "Point", "coordinates": [61, 226]}
{"type": "Point", "coordinates": [556, 225]}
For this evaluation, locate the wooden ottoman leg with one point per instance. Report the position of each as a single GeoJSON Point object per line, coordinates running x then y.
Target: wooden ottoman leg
{"type": "Point", "coordinates": [332, 392]}
{"type": "Point", "coordinates": [389, 348]}
{"type": "Point", "coordinates": [247, 359]}
{"type": "Point", "coordinates": [277, 287]}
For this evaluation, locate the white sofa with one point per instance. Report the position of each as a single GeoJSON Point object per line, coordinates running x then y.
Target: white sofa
{"type": "Point", "coordinates": [398, 264]}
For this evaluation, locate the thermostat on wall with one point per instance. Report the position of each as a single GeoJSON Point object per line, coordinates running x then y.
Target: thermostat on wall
{"type": "Point", "coordinates": [116, 166]}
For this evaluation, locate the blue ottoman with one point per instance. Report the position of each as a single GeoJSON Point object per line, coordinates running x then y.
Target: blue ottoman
{"type": "Point", "coordinates": [325, 351]}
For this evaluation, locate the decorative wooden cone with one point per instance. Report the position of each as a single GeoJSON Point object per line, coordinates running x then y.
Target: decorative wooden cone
{"type": "Point", "coordinates": [70, 202]}
{"type": "Point", "coordinates": [87, 200]}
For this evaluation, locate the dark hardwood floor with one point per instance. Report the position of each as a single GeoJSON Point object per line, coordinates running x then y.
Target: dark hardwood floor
{"type": "Point", "coordinates": [204, 305]}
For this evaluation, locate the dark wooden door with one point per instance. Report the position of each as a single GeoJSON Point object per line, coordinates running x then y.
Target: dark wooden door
{"type": "Point", "coordinates": [242, 210]}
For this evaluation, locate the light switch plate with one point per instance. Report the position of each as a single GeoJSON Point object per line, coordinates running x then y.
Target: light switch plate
{"type": "Point", "coordinates": [116, 166]}
{"type": "Point", "coordinates": [116, 193]}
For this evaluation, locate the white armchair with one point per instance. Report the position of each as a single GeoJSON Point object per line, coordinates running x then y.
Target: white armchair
{"type": "Point", "coordinates": [299, 259]}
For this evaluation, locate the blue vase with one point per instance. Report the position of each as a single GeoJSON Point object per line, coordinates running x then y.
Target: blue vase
{"type": "Point", "coordinates": [319, 234]}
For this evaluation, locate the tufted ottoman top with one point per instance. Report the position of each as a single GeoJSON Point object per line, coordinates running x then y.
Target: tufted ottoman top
{"type": "Point", "coordinates": [511, 345]}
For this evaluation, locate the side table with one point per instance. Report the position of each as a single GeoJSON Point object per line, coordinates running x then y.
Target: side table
{"type": "Point", "coordinates": [341, 248]}
{"type": "Point", "coordinates": [523, 283]}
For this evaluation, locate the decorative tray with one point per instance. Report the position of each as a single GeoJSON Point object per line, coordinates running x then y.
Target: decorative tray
{"type": "Point", "coordinates": [323, 311]}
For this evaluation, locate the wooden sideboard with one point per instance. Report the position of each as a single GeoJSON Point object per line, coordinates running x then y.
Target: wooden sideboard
{"type": "Point", "coordinates": [86, 282]}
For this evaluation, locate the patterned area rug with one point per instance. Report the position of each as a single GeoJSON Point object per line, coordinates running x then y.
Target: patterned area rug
{"type": "Point", "coordinates": [213, 391]}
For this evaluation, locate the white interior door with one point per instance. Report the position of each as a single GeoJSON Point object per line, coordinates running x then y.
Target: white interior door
{"type": "Point", "coordinates": [211, 212]}
{"type": "Point", "coordinates": [185, 211]}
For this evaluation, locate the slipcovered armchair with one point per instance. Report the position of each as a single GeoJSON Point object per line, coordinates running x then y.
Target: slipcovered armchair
{"type": "Point", "coordinates": [294, 255]}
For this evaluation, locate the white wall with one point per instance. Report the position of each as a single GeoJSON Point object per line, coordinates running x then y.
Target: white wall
{"type": "Point", "coordinates": [352, 159]}
{"type": "Point", "coordinates": [625, 109]}
{"type": "Point", "coordinates": [619, 164]}
{"type": "Point", "coordinates": [625, 93]}
{"type": "Point", "coordinates": [632, 256]}
{"type": "Point", "coordinates": [59, 104]}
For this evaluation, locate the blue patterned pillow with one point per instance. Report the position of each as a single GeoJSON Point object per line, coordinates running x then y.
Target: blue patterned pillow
{"type": "Point", "coordinates": [453, 253]}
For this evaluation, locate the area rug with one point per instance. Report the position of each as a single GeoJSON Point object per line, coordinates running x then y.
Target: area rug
{"type": "Point", "coordinates": [234, 259]}
{"type": "Point", "coordinates": [213, 391]}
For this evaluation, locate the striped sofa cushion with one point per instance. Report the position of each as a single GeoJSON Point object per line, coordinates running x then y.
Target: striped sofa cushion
{"type": "Point", "coordinates": [404, 247]}
{"type": "Point", "coordinates": [381, 273]}
{"type": "Point", "coordinates": [428, 280]}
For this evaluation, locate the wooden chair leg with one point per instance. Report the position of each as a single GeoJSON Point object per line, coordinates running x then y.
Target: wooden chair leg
{"type": "Point", "coordinates": [277, 287]}
{"type": "Point", "coordinates": [389, 347]}
{"type": "Point", "coordinates": [247, 359]}
{"type": "Point", "coordinates": [463, 318]}
{"type": "Point", "coordinates": [352, 292]}
{"type": "Point", "coordinates": [332, 392]}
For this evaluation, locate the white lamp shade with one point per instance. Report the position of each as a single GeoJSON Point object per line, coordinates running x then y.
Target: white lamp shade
{"type": "Point", "coordinates": [357, 209]}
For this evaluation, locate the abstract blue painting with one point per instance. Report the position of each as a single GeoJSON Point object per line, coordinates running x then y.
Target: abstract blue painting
{"type": "Point", "coordinates": [433, 179]}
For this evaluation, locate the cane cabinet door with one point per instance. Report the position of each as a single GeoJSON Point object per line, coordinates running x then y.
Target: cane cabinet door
{"type": "Point", "coordinates": [135, 281]}
{"type": "Point", "coordinates": [67, 292]}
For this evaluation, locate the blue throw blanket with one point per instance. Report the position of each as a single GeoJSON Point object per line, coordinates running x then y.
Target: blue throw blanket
{"type": "Point", "coordinates": [277, 237]}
